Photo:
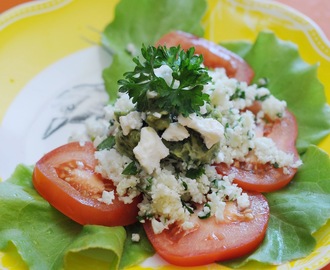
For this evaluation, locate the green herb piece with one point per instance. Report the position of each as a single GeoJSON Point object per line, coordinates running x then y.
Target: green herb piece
{"type": "Point", "coordinates": [207, 214]}
{"type": "Point", "coordinates": [262, 82]}
{"type": "Point", "coordinates": [185, 185]}
{"type": "Point", "coordinates": [279, 115]}
{"type": "Point", "coordinates": [145, 217]}
{"type": "Point", "coordinates": [185, 98]}
{"type": "Point", "coordinates": [250, 135]}
{"type": "Point", "coordinates": [195, 173]}
{"type": "Point", "coordinates": [276, 165]}
{"type": "Point", "coordinates": [107, 143]}
{"type": "Point", "coordinates": [187, 206]}
{"type": "Point", "coordinates": [239, 93]}
{"type": "Point", "coordinates": [149, 185]}
{"type": "Point", "coordinates": [262, 98]}
{"type": "Point", "coordinates": [130, 169]}
{"type": "Point", "coordinates": [215, 183]}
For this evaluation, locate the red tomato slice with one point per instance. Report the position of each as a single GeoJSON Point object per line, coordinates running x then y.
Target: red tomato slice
{"type": "Point", "coordinates": [210, 241]}
{"type": "Point", "coordinates": [265, 177]}
{"type": "Point", "coordinates": [65, 177]}
{"type": "Point", "coordinates": [214, 55]}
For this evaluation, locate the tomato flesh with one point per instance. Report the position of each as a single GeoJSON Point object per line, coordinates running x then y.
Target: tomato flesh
{"type": "Point", "coordinates": [265, 177]}
{"type": "Point", "coordinates": [65, 177]}
{"type": "Point", "coordinates": [210, 240]}
{"type": "Point", "coordinates": [214, 55]}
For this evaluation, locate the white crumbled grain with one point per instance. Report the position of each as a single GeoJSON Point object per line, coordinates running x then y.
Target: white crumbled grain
{"type": "Point", "coordinates": [107, 197]}
{"type": "Point", "coordinates": [273, 107]}
{"type": "Point", "coordinates": [243, 201]}
{"type": "Point", "coordinates": [111, 164]}
{"type": "Point", "coordinates": [267, 151]}
{"type": "Point", "coordinates": [217, 206]}
{"type": "Point", "coordinates": [135, 237]}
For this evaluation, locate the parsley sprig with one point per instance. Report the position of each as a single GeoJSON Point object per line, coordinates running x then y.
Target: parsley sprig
{"type": "Point", "coordinates": [186, 98]}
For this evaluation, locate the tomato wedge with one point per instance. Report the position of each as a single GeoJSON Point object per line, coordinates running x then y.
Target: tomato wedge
{"type": "Point", "coordinates": [265, 177]}
{"type": "Point", "coordinates": [65, 177]}
{"type": "Point", "coordinates": [214, 55]}
{"type": "Point", "coordinates": [210, 241]}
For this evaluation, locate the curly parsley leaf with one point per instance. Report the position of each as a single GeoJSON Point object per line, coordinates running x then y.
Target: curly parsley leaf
{"type": "Point", "coordinates": [183, 95]}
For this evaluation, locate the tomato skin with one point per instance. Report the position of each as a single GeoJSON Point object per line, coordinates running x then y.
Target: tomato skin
{"type": "Point", "coordinates": [265, 177]}
{"type": "Point", "coordinates": [213, 241]}
{"type": "Point", "coordinates": [214, 55]}
{"type": "Point", "coordinates": [79, 205]}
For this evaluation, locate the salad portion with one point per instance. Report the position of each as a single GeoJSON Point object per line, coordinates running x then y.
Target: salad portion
{"type": "Point", "coordinates": [180, 151]}
{"type": "Point", "coordinates": [97, 178]}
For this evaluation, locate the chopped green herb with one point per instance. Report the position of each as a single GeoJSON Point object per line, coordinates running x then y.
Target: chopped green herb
{"type": "Point", "coordinates": [130, 169]}
{"type": "Point", "coordinates": [238, 94]}
{"type": "Point", "coordinates": [149, 185]}
{"type": "Point", "coordinates": [207, 214]}
{"type": "Point", "coordinates": [215, 183]}
{"type": "Point", "coordinates": [250, 135]}
{"type": "Point", "coordinates": [262, 98]}
{"type": "Point", "coordinates": [185, 186]}
{"type": "Point", "coordinates": [107, 144]}
{"type": "Point", "coordinates": [145, 217]}
{"type": "Point", "coordinates": [195, 173]}
{"type": "Point", "coordinates": [279, 115]}
{"type": "Point", "coordinates": [262, 82]}
{"type": "Point", "coordinates": [187, 206]}
{"type": "Point", "coordinates": [276, 165]}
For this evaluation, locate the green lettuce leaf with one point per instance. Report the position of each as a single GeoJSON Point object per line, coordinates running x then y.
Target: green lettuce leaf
{"type": "Point", "coordinates": [239, 47]}
{"type": "Point", "coordinates": [296, 212]}
{"type": "Point", "coordinates": [43, 236]}
{"type": "Point", "coordinates": [290, 79]}
{"type": "Point", "coordinates": [100, 243]}
{"type": "Point", "coordinates": [144, 22]}
{"type": "Point", "coordinates": [135, 252]}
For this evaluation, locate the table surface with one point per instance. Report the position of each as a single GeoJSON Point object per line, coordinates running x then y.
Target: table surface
{"type": "Point", "coordinates": [317, 10]}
